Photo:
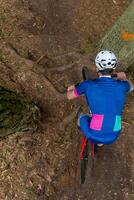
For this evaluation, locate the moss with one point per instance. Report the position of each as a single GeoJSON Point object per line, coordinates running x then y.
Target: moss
{"type": "Point", "coordinates": [2, 57]}
{"type": "Point", "coordinates": [130, 72]}
{"type": "Point", "coordinates": [19, 146]}
{"type": "Point", "coordinates": [88, 48]}
{"type": "Point", "coordinates": [2, 18]}
{"type": "Point", "coordinates": [30, 189]}
{"type": "Point", "coordinates": [114, 40]}
{"type": "Point", "coordinates": [17, 113]}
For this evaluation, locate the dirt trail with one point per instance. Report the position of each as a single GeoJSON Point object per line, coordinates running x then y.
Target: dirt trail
{"type": "Point", "coordinates": [67, 27]}
{"type": "Point", "coordinates": [71, 25]}
{"type": "Point", "coordinates": [39, 41]}
{"type": "Point", "coordinates": [112, 177]}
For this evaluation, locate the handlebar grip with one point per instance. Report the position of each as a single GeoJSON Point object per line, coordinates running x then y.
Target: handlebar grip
{"type": "Point", "coordinates": [114, 75]}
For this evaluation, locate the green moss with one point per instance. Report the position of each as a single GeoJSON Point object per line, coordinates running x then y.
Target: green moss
{"type": "Point", "coordinates": [17, 113]}
{"type": "Point", "coordinates": [114, 40]}
{"type": "Point", "coordinates": [2, 57]}
{"type": "Point", "coordinates": [130, 72]}
{"type": "Point", "coordinates": [19, 146]}
{"type": "Point", "coordinates": [30, 189]}
{"type": "Point", "coordinates": [2, 34]}
{"type": "Point", "coordinates": [88, 48]}
{"type": "Point", "coordinates": [2, 18]}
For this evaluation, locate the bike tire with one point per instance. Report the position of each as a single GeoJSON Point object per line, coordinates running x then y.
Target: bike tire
{"type": "Point", "coordinates": [84, 162]}
{"type": "Point", "coordinates": [87, 162]}
{"type": "Point", "coordinates": [83, 170]}
{"type": "Point", "coordinates": [85, 73]}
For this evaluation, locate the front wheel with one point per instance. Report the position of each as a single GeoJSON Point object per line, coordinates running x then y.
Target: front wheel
{"type": "Point", "coordinates": [85, 73]}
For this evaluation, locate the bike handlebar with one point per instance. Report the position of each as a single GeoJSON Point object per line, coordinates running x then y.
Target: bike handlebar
{"type": "Point", "coordinates": [85, 73]}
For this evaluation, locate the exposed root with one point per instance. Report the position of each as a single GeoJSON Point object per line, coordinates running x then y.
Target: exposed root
{"type": "Point", "coordinates": [62, 68]}
{"type": "Point", "coordinates": [69, 118]}
{"type": "Point", "coordinates": [11, 71]}
{"type": "Point", "coordinates": [74, 53]}
{"type": "Point", "coordinates": [27, 76]}
{"type": "Point", "coordinates": [14, 49]}
{"type": "Point", "coordinates": [39, 60]}
{"type": "Point", "coordinates": [58, 95]}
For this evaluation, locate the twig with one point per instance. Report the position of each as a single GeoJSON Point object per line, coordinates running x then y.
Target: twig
{"type": "Point", "coordinates": [38, 61]}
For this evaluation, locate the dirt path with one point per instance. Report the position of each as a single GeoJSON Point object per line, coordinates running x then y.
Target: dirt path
{"type": "Point", "coordinates": [71, 25]}
{"type": "Point", "coordinates": [39, 41]}
{"type": "Point", "coordinates": [113, 174]}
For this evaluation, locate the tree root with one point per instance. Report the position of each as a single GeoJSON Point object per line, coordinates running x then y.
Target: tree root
{"type": "Point", "coordinates": [67, 120]}
{"type": "Point", "coordinates": [62, 68]}
{"type": "Point", "coordinates": [27, 76]}
{"type": "Point", "coordinates": [76, 54]}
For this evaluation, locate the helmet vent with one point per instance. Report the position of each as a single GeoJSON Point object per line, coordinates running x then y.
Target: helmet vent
{"type": "Point", "coordinates": [100, 65]}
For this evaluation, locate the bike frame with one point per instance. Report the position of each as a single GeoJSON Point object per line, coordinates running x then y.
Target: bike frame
{"type": "Point", "coordinates": [84, 142]}
{"type": "Point", "coordinates": [88, 148]}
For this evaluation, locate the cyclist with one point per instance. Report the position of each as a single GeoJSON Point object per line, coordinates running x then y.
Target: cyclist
{"type": "Point", "coordinates": [106, 98]}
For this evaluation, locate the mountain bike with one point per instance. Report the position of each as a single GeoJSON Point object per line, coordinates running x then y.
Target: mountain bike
{"type": "Point", "coordinates": [88, 148]}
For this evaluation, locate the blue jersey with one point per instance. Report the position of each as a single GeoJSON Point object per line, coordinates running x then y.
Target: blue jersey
{"type": "Point", "coordinates": [106, 98]}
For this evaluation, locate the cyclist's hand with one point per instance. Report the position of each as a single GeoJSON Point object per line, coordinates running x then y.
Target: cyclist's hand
{"type": "Point", "coordinates": [70, 92]}
{"type": "Point", "coordinates": [70, 88]}
{"type": "Point", "coordinates": [121, 76]}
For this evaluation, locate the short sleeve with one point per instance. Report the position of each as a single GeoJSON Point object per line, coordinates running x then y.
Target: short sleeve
{"type": "Point", "coordinates": [81, 88]}
{"type": "Point", "coordinates": [127, 86]}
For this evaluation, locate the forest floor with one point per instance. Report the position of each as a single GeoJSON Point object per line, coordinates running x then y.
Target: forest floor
{"type": "Point", "coordinates": [44, 45]}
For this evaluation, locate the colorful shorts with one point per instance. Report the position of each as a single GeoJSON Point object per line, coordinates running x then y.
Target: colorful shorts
{"type": "Point", "coordinates": [87, 123]}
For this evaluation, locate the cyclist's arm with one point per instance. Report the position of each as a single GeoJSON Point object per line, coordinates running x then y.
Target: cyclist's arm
{"type": "Point", "coordinates": [77, 90]}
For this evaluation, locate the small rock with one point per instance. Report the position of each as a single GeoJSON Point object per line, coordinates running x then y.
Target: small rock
{"type": "Point", "coordinates": [49, 179]}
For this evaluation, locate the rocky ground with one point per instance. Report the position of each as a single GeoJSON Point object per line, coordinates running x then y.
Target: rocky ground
{"type": "Point", "coordinates": [43, 46]}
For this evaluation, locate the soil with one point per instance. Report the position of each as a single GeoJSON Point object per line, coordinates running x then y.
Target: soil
{"type": "Point", "coordinates": [44, 44]}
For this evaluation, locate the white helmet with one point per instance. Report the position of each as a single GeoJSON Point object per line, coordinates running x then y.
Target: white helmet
{"type": "Point", "coordinates": [105, 60]}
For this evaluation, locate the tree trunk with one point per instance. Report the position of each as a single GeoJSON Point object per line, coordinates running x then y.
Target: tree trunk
{"type": "Point", "coordinates": [120, 39]}
{"type": "Point", "coordinates": [17, 113]}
